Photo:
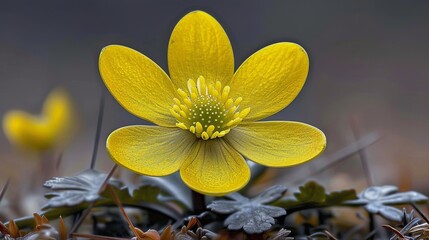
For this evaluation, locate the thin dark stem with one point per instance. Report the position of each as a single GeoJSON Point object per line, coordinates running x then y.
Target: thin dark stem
{"type": "Point", "coordinates": [363, 156]}
{"type": "Point", "coordinates": [3, 191]}
{"type": "Point", "coordinates": [59, 160]}
{"type": "Point", "coordinates": [91, 205]}
{"type": "Point", "coordinates": [367, 172]}
{"type": "Point", "coordinates": [372, 223]}
{"type": "Point", "coordinates": [124, 214]}
{"type": "Point", "coordinates": [199, 202]}
{"type": "Point", "coordinates": [342, 155]}
{"type": "Point", "coordinates": [98, 131]}
{"type": "Point", "coordinates": [420, 212]}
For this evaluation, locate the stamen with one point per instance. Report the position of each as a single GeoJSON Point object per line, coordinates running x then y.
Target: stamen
{"type": "Point", "coordinates": [182, 93]}
{"type": "Point", "coordinates": [215, 135]}
{"type": "Point", "coordinates": [191, 86]}
{"type": "Point", "coordinates": [206, 109]}
{"type": "Point", "coordinates": [210, 130]}
{"type": "Point", "coordinates": [238, 101]}
{"type": "Point", "coordinates": [225, 93]}
{"type": "Point", "coordinates": [229, 103]}
{"type": "Point", "coordinates": [182, 126]}
{"type": "Point", "coordinates": [175, 114]}
{"type": "Point", "coordinates": [245, 112]}
{"type": "Point", "coordinates": [177, 101]}
{"type": "Point", "coordinates": [199, 127]}
{"type": "Point", "coordinates": [205, 136]}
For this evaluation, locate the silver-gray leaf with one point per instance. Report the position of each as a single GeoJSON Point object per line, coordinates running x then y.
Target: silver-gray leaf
{"type": "Point", "coordinates": [388, 212]}
{"type": "Point", "coordinates": [72, 191]}
{"type": "Point", "coordinates": [271, 194]}
{"type": "Point", "coordinates": [377, 199]}
{"type": "Point", "coordinates": [254, 218]}
{"type": "Point", "coordinates": [250, 214]}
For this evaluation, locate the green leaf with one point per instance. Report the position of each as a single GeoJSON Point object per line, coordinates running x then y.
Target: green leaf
{"type": "Point", "coordinates": [311, 192]}
{"type": "Point", "coordinates": [147, 194]}
{"type": "Point", "coordinates": [335, 198]}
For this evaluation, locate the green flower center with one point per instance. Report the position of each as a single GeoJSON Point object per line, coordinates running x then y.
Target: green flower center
{"type": "Point", "coordinates": [206, 110]}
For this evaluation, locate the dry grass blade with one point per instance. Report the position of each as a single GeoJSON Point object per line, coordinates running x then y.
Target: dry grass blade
{"type": "Point", "coordinates": [166, 234]}
{"type": "Point", "coordinates": [3, 229]}
{"type": "Point", "coordinates": [3, 191]}
{"type": "Point", "coordinates": [392, 229]}
{"type": "Point", "coordinates": [330, 235]}
{"type": "Point", "coordinates": [336, 158]}
{"type": "Point", "coordinates": [419, 228]}
{"type": "Point", "coordinates": [37, 219]}
{"type": "Point", "coordinates": [91, 205]}
{"type": "Point", "coordinates": [139, 234]}
{"type": "Point", "coordinates": [420, 212]}
{"type": "Point", "coordinates": [44, 220]}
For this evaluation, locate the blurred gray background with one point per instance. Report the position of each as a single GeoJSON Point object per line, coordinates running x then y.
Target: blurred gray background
{"type": "Point", "coordinates": [369, 62]}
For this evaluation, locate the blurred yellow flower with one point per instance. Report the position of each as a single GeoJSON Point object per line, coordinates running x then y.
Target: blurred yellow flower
{"type": "Point", "coordinates": [207, 114]}
{"type": "Point", "coordinates": [43, 132]}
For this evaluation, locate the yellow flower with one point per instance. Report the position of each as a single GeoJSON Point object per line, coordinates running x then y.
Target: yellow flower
{"type": "Point", "coordinates": [207, 114]}
{"type": "Point", "coordinates": [40, 133]}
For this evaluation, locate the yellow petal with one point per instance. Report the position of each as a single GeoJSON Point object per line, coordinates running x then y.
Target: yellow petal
{"type": "Point", "coordinates": [150, 150]}
{"type": "Point", "coordinates": [270, 79]}
{"type": "Point", "coordinates": [41, 132]}
{"type": "Point", "coordinates": [59, 110]}
{"type": "Point", "coordinates": [217, 169]}
{"type": "Point", "coordinates": [138, 84]}
{"type": "Point", "coordinates": [199, 47]}
{"type": "Point", "coordinates": [277, 144]}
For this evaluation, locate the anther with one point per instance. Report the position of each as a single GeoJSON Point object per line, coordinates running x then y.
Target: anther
{"type": "Point", "coordinates": [229, 103]}
{"type": "Point", "coordinates": [182, 126]}
{"type": "Point", "coordinates": [199, 127]}
{"type": "Point", "coordinates": [205, 136]}
{"type": "Point", "coordinates": [182, 93]}
{"type": "Point", "coordinates": [238, 101]}
{"type": "Point", "coordinates": [225, 93]}
{"type": "Point", "coordinates": [245, 112]}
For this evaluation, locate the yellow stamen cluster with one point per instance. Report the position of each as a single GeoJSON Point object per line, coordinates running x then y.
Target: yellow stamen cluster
{"type": "Point", "coordinates": [206, 109]}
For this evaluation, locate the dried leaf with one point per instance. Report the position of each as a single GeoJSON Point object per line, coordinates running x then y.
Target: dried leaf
{"type": "Point", "coordinates": [13, 229]}
{"type": "Point", "coordinates": [250, 214]}
{"type": "Point", "coordinates": [166, 234]}
{"type": "Point", "coordinates": [3, 229]}
{"type": "Point", "coordinates": [63, 229]}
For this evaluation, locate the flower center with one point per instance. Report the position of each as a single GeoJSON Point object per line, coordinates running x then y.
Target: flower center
{"type": "Point", "coordinates": [206, 110]}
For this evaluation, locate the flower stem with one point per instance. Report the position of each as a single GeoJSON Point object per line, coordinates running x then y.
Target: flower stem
{"type": "Point", "coordinates": [371, 224]}
{"type": "Point", "coordinates": [198, 202]}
